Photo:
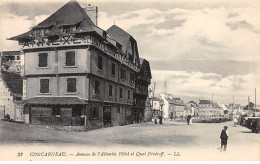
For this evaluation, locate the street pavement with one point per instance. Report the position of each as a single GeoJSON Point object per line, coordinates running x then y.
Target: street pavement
{"type": "Point", "coordinates": [196, 140]}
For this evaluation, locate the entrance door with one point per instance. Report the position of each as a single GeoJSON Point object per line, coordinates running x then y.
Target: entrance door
{"type": "Point", "coordinates": [107, 116]}
{"type": "Point", "coordinates": [76, 116]}
{"type": "Point", "coordinates": [66, 116]}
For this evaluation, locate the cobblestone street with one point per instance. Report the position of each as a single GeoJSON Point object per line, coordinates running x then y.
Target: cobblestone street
{"type": "Point", "coordinates": [193, 140]}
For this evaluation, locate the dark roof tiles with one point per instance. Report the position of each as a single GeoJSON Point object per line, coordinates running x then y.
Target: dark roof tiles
{"type": "Point", "coordinates": [56, 100]}
{"type": "Point", "coordinates": [119, 35]}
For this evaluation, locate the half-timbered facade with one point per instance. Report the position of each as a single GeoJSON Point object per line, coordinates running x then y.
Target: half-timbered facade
{"type": "Point", "coordinates": [74, 73]}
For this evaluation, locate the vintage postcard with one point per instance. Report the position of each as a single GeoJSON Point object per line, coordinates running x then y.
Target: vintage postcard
{"type": "Point", "coordinates": [130, 80]}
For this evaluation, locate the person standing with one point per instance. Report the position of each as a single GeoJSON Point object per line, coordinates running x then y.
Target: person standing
{"type": "Point", "coordinates": [224, 137]}
{"type": "Point", "coordinates": [188, 119]}
{"type": "Point", "coordinates": [235, 121]}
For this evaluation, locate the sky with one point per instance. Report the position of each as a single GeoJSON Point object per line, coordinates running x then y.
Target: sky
{"type": "Point", "coordinates": [201, 48]}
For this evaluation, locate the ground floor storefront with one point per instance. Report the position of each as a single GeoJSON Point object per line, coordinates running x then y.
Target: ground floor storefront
{"type": "Point", "coordinates": [73, 111]}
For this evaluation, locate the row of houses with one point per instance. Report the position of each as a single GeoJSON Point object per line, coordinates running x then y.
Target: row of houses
{"type": "Point", "coordinates": [75, 73]}
{"type": "Point", "coordinates": [173, 107]}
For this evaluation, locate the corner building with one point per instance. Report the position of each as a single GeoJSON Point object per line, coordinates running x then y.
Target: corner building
{"type": "Point", "coordinates": [76, 74]}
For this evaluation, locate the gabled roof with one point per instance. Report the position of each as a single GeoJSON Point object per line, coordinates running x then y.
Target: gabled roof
{"type": "Point", "coordinates": [145, 68]}
{"type": "Point", "coordinates": [70, 14]}
{"type": "Point", "coordinates": [205, 102]}
{"type": "Point", "coordinates": [119, 35]}
{"type": "Point", "coordinates": [10, 53]}
{"type": "Point", "coordinates": [14, 82]}
{"type": "Point", "coordinates": [193, 102]}
{"type": "Point", "coordinates": [175, 101]}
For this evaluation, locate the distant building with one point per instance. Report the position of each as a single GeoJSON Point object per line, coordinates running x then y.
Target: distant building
{"type": "Point", "coordinates": [10, 61]}
{"type": "Point", "coordinates": [193, 106]}
{"type": "Point", "coordinates": [11, 85]}
{"type": "Point", "coordinates": [11, 91]}
{"type": "Point", "coordinates": [235, 108]}
{"type": "Point", "coordinates": [148, 112]}
{"type": "Point", "coordinates": [208, 109]}
{"type": "Point", "coordinates": [156, 108]}
{"type": "Point", "coordinates": [75, 73]}
{"type": "Point", "coordinates": [173, 107]}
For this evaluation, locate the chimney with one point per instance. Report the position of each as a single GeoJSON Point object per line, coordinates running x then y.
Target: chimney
{"type": "Point", "coordinates": [92, 12]}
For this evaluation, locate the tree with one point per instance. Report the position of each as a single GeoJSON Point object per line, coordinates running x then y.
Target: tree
{"type": "Point", "coordinates": [251, 106]}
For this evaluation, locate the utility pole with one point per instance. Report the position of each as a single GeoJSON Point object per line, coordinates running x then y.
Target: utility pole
{"type": "Point", "coordinates": [248, 106]}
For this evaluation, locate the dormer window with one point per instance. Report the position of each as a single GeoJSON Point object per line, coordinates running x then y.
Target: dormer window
{"type": "Point", "coordinates": [40, 32]}
{"type": "Point", "coordinates": [119, 46]}
{"type": "Point", "coordinates": [104, 35]}
{"type": "Point", "coordinates": [67, 28]}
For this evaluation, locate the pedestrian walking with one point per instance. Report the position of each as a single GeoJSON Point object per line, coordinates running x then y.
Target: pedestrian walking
{"type": "Point", "coordinates": [224, 137]}
{"type": "Point", "coordinates": [235, 121]}
{"type": "Point", "coordinates": [160, 120]}
{"type": "Point", "coordinates": [155, 119]}
{"type": "Point", "coordinates": [188, 119]}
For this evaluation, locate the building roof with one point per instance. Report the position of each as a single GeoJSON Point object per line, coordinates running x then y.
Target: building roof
{"type": "Point", "coordinates": [56, 101]}
{"type": "Point", "coordinates": [70, 14]}
{"type": "Point", "coordinates": [205, 102]}
{"type": "Point", "coordinates": [119, 35]}
{"type": "Point", "coordinates": [175, 101]}
{"type": "Point", "coordinates": [192, 102]}
{"type": "Point", "coordinates": [10, 53]}
{"type": "Point", "coordinates": [14, 82]}
{"type": "Point", "coordinates": [145, 69]}
{"type": "Point", "coordinates": [156, 99]}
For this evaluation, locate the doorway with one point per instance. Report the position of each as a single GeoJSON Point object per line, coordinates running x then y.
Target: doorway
{"type": "Point", "coordinates": [107, 116]}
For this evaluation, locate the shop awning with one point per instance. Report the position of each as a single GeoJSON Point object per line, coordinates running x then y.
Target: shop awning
{"type": "Point", "coordinates": [56, 101]}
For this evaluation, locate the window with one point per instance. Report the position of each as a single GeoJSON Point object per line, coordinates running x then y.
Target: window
{"type": "Point", "coordinates": [128, 95]}
{"type": "Point", "coordinates": [68, 29]}
{"type": "Point", "coordinates": [123, 74]}
{"type": "Point", "coordinates": [118, 109]}
{"type": "Point", "coordinates": [70, 58]}
{"type": "Point", "coordinates": [100, 63]}
{"type": "Point", "coordinates": [37, 33]}
{"type": "Point", "coordinates": [132, 77]}
{"type": "Point", "coordinates": [76, 111]}
{"type": "Point", "coordinates": [96, 87]}
{"type": "Point", "coordinates": [110, 90]}
{"type": "Point", "coordinates": [94, 113]}
{"type": "Point", "coordinates": [44, 86]}
{"type": "Point", "coordinates": [71, 85]}
{"type": "Point", "coordinates": [43, 60]}
{"type": "Point", "coordinates": [121, 93]}
{"type": "Point", "coordinates": [55, 110]}
{"type": "Point", "coordinates": [113, 72]}
{"type": "Point", "coordinates": [131, 57]}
